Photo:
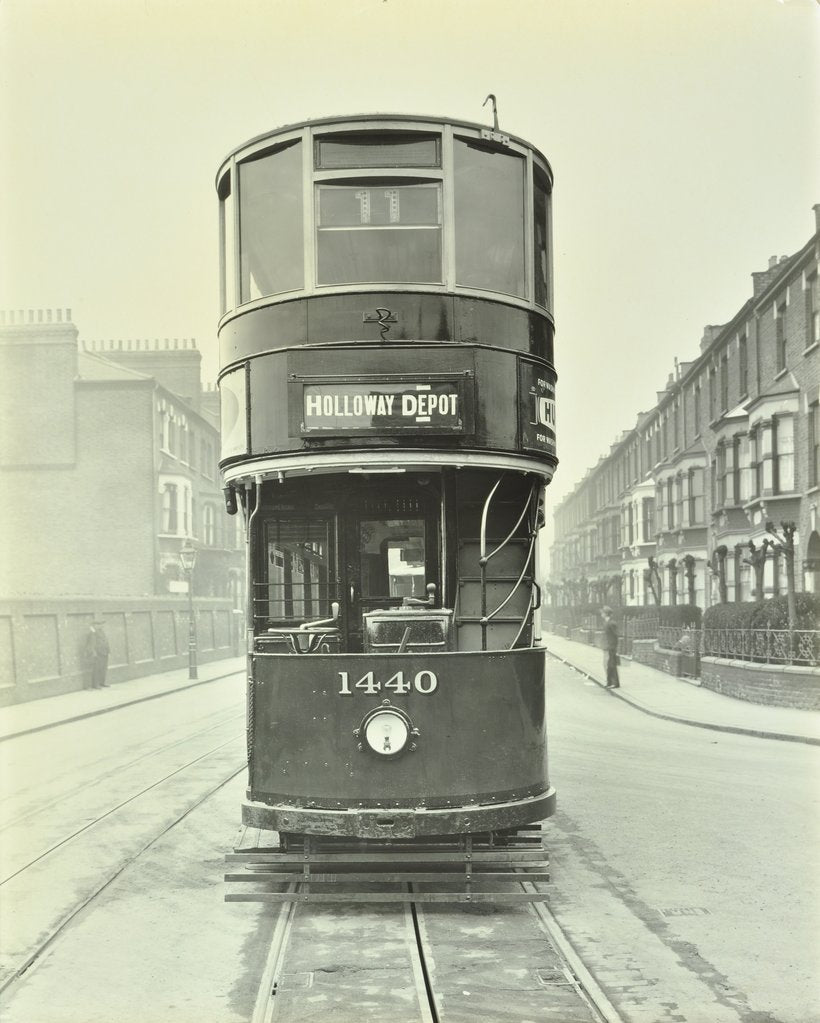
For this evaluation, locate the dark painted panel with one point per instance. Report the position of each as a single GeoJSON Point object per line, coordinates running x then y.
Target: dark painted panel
{"type": "Point", "coordinates": [404, 317]}
{"type": "Point", "coordinates": [493, 323]}
{"type": "Point", "coordinates": [497, 415]}
{"type": "Point", "coordinates": [264, 329]}
{"type": "Point", "coordinates": [416, 317]}
{"type": "Point", "coordinates": [491, 389]}
{"type": "Point", "coordinates": [482, 732]}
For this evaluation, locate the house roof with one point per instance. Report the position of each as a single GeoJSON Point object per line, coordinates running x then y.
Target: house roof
{"type": "Point", "coordinates": [96, 368]}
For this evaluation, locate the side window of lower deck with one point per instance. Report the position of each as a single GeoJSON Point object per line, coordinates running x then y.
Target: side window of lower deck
{"type": "Point", "coordinates": [298, 581]}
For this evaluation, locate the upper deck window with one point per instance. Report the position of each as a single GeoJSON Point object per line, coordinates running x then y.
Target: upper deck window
{"type": "Point", "coordinates": [270, 214]}
{"type": "Point", "coordinates": [376, 231]}
{"type": "Point", "coordinates": [489, 200]}
{"type": "Point", "coordinates": [541, 234]}
{"type": "Point", "coordinates": [378, 150]}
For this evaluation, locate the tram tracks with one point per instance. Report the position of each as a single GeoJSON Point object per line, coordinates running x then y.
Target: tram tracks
{"type": "Point", "coordinates": [454, 964]}
{"type": "Point", "coordinates": [49, 886]}
{"type": "Point", "coordinates": [70, 781]}
{"type": "Point", "coordinates": [114, 809]}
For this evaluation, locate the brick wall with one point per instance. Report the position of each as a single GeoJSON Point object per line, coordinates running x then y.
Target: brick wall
{"type": "Point", "coordinates": [672, 662]}
{"type": "Point", "coordinates": [38, 364]}
{"type": "Point", "coordinates": [87, 529]}
{"type": "Point", "coordinates": [786, 686]}
{"type": "Point", "coordinates": [42, 643]}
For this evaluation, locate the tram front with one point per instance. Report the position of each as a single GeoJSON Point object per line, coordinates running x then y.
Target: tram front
{"type": "Point", "coordinates": [387, 389]}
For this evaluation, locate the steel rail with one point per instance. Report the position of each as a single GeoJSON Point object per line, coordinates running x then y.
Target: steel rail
{"type": "Point", "coordinates": [57, 800]}
{"type": "Point", "coordinates": [420, 955]}
{"type": "Point", "coordinates": [582, 978]}
{"type": "Point", "coordinates": [265, 1004]}
{"type": "Point", "coordinates": [97, 820]}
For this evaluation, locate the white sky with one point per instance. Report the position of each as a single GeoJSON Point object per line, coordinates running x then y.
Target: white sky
{"type": "Point", "coordinates": [684, 136]}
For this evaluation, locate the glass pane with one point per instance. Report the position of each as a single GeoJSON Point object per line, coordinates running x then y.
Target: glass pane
{"type": "Point", "coordinates": [785, 470]}
{"type": "Point", "coordinates": [368, 150]}
{"type": "Point", "coordinates": [489, 203]}
{"type": "Point", "coordinates": [785, 436]}
{"type": "Point", "coordinates": [298, 569]}
{"type": "Point", "coordinates": [233, 413]}
{"type": "Point", "coordinates": [765, 439]}
{"type": "Point", "coordinates": [379, 233]}
{"type": "Point", "coordinates": [541, 239]}
{"type": "Point", "coordinates": [378, 205]}
{"type": "Point", "coordinates": [226, 233]}
{"type": "Point", "coordinates": [270, 219]}
{"type": "Point", "coordinates": [392, 558]}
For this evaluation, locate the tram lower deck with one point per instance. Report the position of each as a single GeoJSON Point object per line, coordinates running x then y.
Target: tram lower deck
{"type": "Point", "coordinates": [394, 688]}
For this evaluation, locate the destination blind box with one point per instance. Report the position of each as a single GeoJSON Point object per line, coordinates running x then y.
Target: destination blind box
{"type": "Point", "coordinates": [369, 404]}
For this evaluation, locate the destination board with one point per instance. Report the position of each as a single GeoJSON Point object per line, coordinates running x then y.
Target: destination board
{"type": "Point", "coordinates": [382, 406]}
{"type": "Point", "coordinates": [536, 407]}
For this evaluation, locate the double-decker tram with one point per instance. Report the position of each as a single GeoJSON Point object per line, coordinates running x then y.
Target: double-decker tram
{"type": "Point", "coordinates": [387, 391]}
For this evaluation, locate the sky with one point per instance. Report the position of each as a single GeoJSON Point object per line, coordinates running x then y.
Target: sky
{"type": "Point", "coordinates": [684, 136]}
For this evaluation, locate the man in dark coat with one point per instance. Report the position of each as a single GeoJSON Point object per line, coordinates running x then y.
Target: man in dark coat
{"type": "Point", "coordinates": [610, 648]}
{"type": "Point", "coordinates": [97, 650]}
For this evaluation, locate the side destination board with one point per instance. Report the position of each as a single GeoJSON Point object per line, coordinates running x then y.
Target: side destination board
{"type": "Point", "coordinates": [536, 408]}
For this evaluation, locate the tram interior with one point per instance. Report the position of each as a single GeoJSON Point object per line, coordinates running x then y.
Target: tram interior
{"type": "Point", "coordinates": [398, 566]}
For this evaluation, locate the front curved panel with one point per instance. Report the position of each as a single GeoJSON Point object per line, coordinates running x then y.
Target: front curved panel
{"type": "Point", "coordinates": [481, 730]}
{"type": "Point", "coordinates": [413, 316]}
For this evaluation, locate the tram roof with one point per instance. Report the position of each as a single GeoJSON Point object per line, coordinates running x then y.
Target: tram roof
{"type": "Point", "coordinates": [358, 118]}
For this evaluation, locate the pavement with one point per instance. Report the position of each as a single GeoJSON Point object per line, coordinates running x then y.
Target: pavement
{"type": "Point", "coordinates": [685, 700]}
{"type": "Point", "coordinates": [36, 715]}
{"type": "Point", "coordinates": [649, 690]}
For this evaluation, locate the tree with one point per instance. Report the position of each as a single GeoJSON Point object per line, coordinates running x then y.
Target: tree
{"type": "Point", "coordinates": [672, 566]}
{"type": "Point", "coordinates": [783, 543]}
{"type": "Point", "coordinates": [689, 567]}
{"type": "Point", "coordinates": [757, 559]}
{"type": "Point", "coordinates": [719, 569]}
{"type": "Point", "coordinates": [652, 579]}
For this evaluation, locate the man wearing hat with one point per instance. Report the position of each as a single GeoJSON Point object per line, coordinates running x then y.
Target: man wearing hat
{"type": "Point", "coordinates": [97, 649]}
{"type": "Point", "coordinates": [610, 648]}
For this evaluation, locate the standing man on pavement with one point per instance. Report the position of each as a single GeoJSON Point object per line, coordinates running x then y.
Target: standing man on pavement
{"type": "Point", "coordinates": [610, 648]}
{"type": "Point", "coordinates": [97, 650]}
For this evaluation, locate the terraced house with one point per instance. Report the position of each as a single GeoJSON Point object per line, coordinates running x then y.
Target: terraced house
{"type": "Point", "coordinates": [677, 511]}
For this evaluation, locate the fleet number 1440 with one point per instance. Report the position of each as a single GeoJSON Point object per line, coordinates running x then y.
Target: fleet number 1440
{"type": "Point", "coordinates": [423, 682]}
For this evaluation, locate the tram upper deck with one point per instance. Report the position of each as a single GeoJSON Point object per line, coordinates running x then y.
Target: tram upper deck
{"type": "Point", "coordinates": [386, 294]}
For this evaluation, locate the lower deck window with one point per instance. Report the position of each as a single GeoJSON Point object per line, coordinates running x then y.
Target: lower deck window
{"type": "Point", "coordinates": [298, 580]}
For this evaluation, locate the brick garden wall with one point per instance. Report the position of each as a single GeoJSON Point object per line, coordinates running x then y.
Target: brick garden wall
{"type": "Point", "coordinates": [772, 685]}
{"type": "Point", "coordinates": [672, 662]}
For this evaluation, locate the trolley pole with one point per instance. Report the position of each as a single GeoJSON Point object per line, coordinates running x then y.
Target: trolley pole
{"type": "Point", "coordinates": [187, 557]}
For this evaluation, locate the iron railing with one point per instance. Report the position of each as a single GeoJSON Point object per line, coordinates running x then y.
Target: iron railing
{"type": "Point", "coordinates": [764, 646]}
{"type": "Point", "coordinates": [679, 637]}
{"type": "Point", "coordinates": [642, 628]}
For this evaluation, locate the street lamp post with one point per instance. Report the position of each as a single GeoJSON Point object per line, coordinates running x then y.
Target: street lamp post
{"type": "Point", "coordinates": [187, 557]}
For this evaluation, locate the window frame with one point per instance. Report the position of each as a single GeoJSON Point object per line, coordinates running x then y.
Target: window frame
{"type": "Point", "coordinates": [229, 192]}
